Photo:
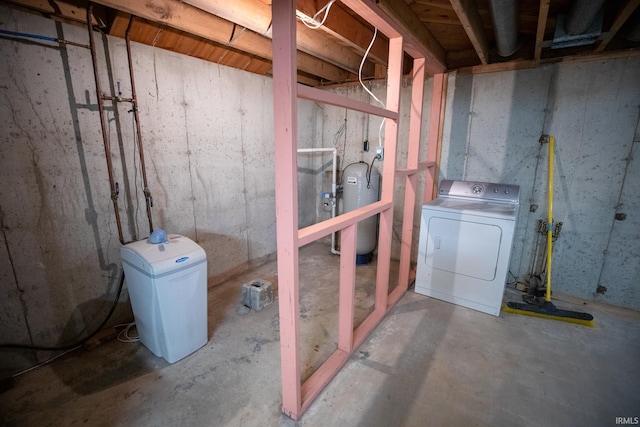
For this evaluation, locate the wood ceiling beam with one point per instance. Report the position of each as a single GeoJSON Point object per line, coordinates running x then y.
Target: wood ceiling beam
{"type": "Point", "coordinates": [467, 12]}
{"type": "Point", "coordinates": [256, 16]}
{"type": "Point", "coordinates": [542, 25]}
{"type": "Point", "coordinates": [192, 20]}
{"type": "Point", "coordinates": [348, 30]}
{"type": "Point", "coordinates": [527, 64]}
{"type": "Point", "coordinates": [60, 9]}
{"type": "Point", "coordinates": [396, 19]}
{"type": "Point", "coordinates": [255, 65]}
{"type": "Point", "coordinates": [622, 17]}
{"type": "Point", "coordinates": [119, 24]}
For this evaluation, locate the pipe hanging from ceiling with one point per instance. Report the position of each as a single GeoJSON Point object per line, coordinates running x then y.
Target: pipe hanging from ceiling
{"type": "Point", "coordinates": [504, 14]}
{"type": "Point", "coordinates": [136, 115]}
{"type": "Point", "coordinates": [581, 16]}
{"type": "Point", "coordinates": [103, 125]}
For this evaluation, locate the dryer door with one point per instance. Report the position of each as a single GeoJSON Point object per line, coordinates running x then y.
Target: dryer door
{"type": "Point", "coordinates": [463, 247]}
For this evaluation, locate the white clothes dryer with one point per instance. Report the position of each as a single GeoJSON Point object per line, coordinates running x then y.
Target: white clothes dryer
{"type": "Point", "coordinates": [466, 236]}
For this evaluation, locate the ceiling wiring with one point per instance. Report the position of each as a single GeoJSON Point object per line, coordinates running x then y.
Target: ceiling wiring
{"type": "Point", "coordinates": [313, 22]}
{"type": "Point", "coordinates": [364, 58]}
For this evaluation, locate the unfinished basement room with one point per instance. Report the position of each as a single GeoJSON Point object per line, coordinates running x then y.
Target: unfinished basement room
{"type": "Point", "coordinates": [320, 213]}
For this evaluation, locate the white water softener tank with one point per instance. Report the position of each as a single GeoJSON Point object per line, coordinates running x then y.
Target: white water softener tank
{"type": "Point", "coordinates": [361, 187]}
{"type": "Point", "coordinates": [167, 282]}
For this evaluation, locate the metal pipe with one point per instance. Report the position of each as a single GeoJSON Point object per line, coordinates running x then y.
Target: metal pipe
{"type": "Point", "coordinates": [581, 16]}
{"type": "Point", "coordinates": [39, 37]}
{"type": "Point", "coordinates": [103, 124]}
{"type": "Point", "coordinates": [534, 259]}
{"type": "Point", "coordinates": [334, 187]}
{"type": "Point", "coordinates": [504, 14]}
{"type": "Point", "coordinates": [134, 101]}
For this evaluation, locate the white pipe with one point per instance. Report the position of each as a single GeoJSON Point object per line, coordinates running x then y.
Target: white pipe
{"type": "Point", "coordinates": [334, 187]}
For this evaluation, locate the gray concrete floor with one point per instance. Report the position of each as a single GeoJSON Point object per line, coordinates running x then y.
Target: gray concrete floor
{"type": "Point", "coordinates": [429, 363]}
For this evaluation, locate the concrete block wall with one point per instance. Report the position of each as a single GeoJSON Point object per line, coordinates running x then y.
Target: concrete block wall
{"type": "Point", "coordinates": [492, 127]}
{"type": "Point", "coordinates": [208, 137]}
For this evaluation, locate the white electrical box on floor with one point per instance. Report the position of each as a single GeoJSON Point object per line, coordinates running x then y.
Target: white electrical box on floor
{"type": "Point", "coordinates": [167, 283]}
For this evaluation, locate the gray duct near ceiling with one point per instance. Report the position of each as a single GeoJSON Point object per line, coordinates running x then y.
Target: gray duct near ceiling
{"type": "Point", "coordinates": [582, 15]}
{"type": "Point", "coordinates": [504, 14]}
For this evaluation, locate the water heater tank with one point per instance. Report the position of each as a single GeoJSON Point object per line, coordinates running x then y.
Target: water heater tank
{"type": "Point", "coordinates": [361, 187]}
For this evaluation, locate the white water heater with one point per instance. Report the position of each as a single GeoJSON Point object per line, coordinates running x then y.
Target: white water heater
{"type": "Point", "coordinates": [361, 187]}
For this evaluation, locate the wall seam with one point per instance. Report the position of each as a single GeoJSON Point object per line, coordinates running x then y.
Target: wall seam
{"type": "Point", "coordinates": [618, 204]}
{"type": "Point", "coordinates": [193, 197]}
{"type": "Point", "coordinates": [23, 303]}
{"type": "Point", "coordinates": [469, 126]}
{"type": "Point", "coordinates": [548, 110]}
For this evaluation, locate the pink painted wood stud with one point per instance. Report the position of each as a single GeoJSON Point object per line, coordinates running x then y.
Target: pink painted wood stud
{"type": "Point", "coordinates": [297, 397]}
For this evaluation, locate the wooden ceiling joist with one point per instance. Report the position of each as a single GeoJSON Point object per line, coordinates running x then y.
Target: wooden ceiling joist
{"type": "Point", "coordinates": [542, 25]}
{"type": "Point", "coordinates": [192, 20]}
{"type": "Point", "coordinates": [347, 30]}
{"type": "Point", "coordinates": [622, 17]}
{"type": "Point", "coordinates": [256, 16]}
{"type": "Point", "coordinates": [467, 12]}
{"type": "Point", "coordinates": [396, 19]}
{"type": "Point", "coordinates": [119, 24]}
{"type": "Point", "coordinates": [61, 10]}
{"type": "Point", "coordinates": [449, 34]}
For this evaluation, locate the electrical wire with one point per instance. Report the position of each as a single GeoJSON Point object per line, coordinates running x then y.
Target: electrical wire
{"type": "Point", "coordinates": [515, 279]}
{"type": "Point", "coordinates": [369, 169]}
{"type": "Point", "coordinates": [46, 362]}
{"type": "Point", "coordinates": [345, 168]}
{"type": "Point", "coordinates": [79, 342]}
{"type": "Point", "coordinates": [313, 23]}
{"type": "Point", "coordinates": [364, 58]}
{"type": "Point", "coordinates": [340, 132]}
{"type": "Point", "coordinates": [367, 173]}
{"type": "Point", "coordinates": [124, 336]}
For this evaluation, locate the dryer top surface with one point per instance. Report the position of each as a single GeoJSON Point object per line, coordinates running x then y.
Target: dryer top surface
{"type": "Point", "coordinates": [507, 211]}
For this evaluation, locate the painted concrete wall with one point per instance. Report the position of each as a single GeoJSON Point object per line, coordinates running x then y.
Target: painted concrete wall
{"type": "Point", "coordinates": [493, 124]}
{"type": "Point", "coordinates": [208, 138]}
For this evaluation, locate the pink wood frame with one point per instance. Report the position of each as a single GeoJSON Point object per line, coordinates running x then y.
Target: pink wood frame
{"type": "Point", "coordinates": [297, 397]}
{"type": "Point", "coordinates": [435, 134]}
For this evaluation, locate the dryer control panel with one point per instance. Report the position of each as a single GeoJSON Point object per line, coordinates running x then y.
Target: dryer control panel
{"type": "Point", "coordinates": [506, 193]}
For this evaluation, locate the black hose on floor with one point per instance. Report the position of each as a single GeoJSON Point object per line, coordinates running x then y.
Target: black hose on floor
{"type": "Point", "coordinates": [79, 342]}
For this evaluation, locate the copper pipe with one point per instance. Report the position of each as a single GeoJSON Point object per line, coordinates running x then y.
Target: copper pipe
{"type": "Point", "coordinates": [103, 125]}
{"type": "Point", "coordinates": [134, 101]}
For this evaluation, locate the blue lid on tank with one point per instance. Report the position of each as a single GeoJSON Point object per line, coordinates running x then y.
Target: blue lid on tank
{"type": "Point", "coordinates": [158, 236]}
{"type": "Point", "coordinates": [155, 259]}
